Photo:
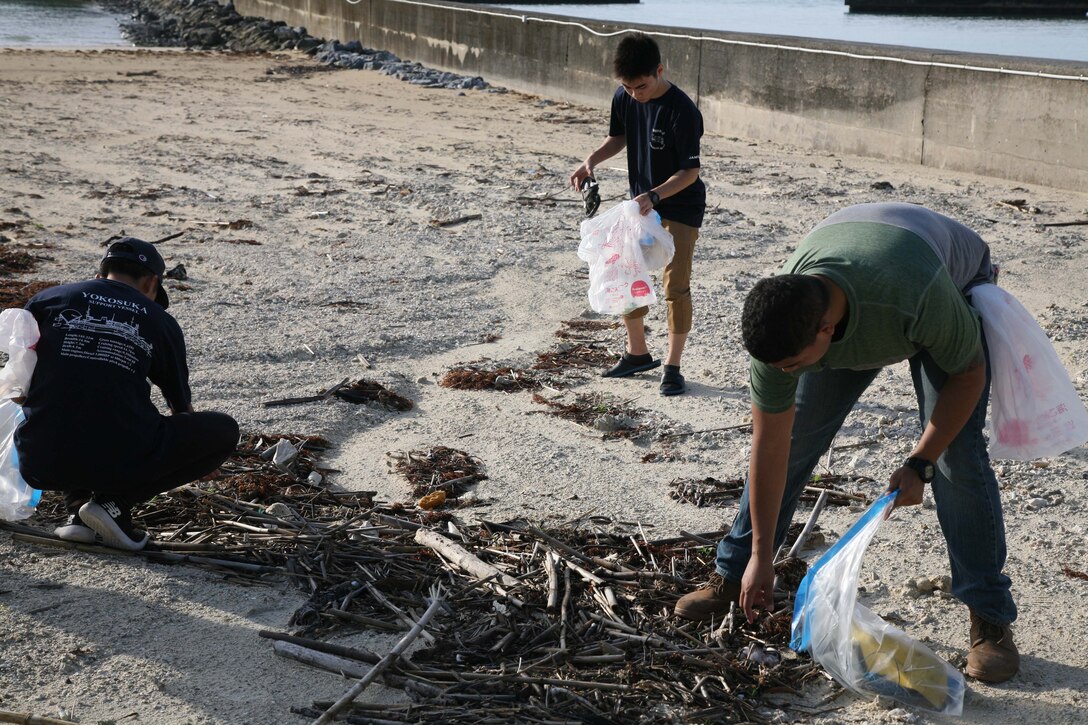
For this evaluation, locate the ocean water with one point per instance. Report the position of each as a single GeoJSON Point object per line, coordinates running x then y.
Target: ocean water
{"type": "Point", "coordinates": [59, 24]}
{"type": "Point", "coordinates": [1051, 38]}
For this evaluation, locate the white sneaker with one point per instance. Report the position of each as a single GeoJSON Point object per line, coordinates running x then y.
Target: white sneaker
{"type": "Point", "coordinates": [113, 524]}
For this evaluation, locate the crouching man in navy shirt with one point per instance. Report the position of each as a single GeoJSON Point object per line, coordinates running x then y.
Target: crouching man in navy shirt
{"type": "Point", "coordinates": [660, 127]}
{"type": "Point", "coordinates": [91, 429]}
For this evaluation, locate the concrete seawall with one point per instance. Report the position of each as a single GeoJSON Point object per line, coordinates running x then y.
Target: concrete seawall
{"type": "Point", "coordinates": [1014, 118]}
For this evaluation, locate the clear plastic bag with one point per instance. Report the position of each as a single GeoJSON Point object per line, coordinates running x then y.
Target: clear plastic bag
{"type": "Point", "coordinates": [18, 335]}
{"type": "Point", "coordinates": [17, 499]}
{"type": "Point", "coordinates": [1035, 411]}
{"type": "Point", "coordinates": [622, 247]}
{"type": "Point", "coordinates": [859, 649]}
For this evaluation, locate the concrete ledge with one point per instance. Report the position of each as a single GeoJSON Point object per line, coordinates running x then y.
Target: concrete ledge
{"type": "Point", "coordinates": [901, 104]}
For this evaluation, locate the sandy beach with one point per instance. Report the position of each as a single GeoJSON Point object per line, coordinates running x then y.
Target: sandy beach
{"type": "Point", "coordinates": [341, 223]}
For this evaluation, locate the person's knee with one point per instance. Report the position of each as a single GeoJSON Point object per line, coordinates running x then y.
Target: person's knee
{"type": "Point", "coordinates": [227, 430]}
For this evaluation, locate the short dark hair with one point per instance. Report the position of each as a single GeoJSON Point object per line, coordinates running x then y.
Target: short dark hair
{"type": "Point", "coordinates": [782, 315]}
{"type": "Point", "coordinates": [125, 267]}
{"type": "Point", "coordinates": [637, 55]}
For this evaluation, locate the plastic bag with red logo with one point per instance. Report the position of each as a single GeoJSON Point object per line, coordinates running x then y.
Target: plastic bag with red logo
{"type": "Point", "coordinates": [1035, 411]}
{"type": "Point", "coordinates": [622, 247]}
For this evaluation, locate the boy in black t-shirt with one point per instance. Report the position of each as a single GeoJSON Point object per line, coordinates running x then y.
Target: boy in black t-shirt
{"type": "Point", "coordinates": [91, 429]}
{"type": "Point", "coordinates": [660, 127]}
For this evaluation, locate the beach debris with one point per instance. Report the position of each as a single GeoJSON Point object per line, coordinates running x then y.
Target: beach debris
{"type": "Point", "coordinates": [370, 391]}
{"type": "Point", "coordinates": [321, 396]}
{"type": "Point", "coordinates": [1020, 205]}
{"type": "Point", "coordinates": [26, 718]}
{"type": "Point", "coordinates": [477, 376]}
{"type": "Point", "coordinates": [561, 624]}
{"type": "Point", "coordinates": [16, 260]}
{"type": "Point", "coordinates": [359, 391]}
{"type": "Point", "coordinates": [438, 469]}
{"type": "Point", "coordinates": [16, 293]}
{"type": "Point", "coordinates": [597, 411]}
{"type": "Point", "coordinates": [585, 330]}
{"type": "Point", "coordinates": [882, 186]}
{"type": "Point", "coordinates": [178, 272]}
{"type": "Point", "coordinates": [566, 355]}
{"type": "Point", "coordinates": [1073, 573]}
{"type": "Point", "coordinates": [431, 501]}
{"type": "Point", "coordinates": [711, 491]}
{"type": "Point", "coordinates": [441, 223]}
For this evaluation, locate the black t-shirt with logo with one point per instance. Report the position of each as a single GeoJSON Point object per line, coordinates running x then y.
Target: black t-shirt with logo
{"type": "Point", "coordinates": [89, 408]}
{"type": "Point", "coordinates": [662, 138]}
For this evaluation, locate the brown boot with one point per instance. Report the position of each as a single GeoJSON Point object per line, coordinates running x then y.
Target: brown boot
{"type": "Point", "coordinates": [711, 600]}
{"type": "Point", "coordinates": [993, 657]}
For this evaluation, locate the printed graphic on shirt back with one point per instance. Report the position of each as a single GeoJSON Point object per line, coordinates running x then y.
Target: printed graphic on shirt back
{"type": "Point", "coordinates": [103, 339]}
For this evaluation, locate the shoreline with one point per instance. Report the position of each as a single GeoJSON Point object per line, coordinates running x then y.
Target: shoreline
{"type": "Point", "coordinates": [341, 175]}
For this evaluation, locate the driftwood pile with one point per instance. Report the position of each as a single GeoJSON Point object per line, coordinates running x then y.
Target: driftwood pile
{"type": "Point", "coordinates": [513, 623]}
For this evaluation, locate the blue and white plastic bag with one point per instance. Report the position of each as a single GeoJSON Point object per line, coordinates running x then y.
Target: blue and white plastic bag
{"type": "Point", "coordinates": [622, 247]}
{"type": "Point", "coordinates": [18, 336]}
{"type": "Point", "coordinates": [856, 647]}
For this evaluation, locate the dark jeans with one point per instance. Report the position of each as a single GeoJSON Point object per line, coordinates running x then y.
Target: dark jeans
{"type": "Point", "coordinates": [202, 441]}
{"type": "Point", "coordinates": [964, 489]}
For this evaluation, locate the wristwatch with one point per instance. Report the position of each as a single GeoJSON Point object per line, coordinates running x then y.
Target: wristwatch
{"type": "Point", "coordinates": [925, 469]}
{"type": "Point", "coordinates": [654, 198]}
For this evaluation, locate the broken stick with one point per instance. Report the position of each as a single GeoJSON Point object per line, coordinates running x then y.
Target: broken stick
{"type": "Point", "coordinates": [357, 689]}
{"type": "Point", "coordinates": [463, 558]}
{"type": "Point", "coordinates": [307, 398]}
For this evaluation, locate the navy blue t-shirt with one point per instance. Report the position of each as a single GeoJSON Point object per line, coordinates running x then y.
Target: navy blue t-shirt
{"type": "Point", "coordinates": [89, 411]}
{"type": "Point", "coordinates": [662, 138]}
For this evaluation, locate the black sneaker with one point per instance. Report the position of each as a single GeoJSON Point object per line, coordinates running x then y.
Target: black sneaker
{"type": "Point", "coordinates": [75, 530]}
{"type": "Point", "coordinates": [672, 382]}
{"type": "Point", "coordinates": [114, 524]}
{"type": "Point", "coordinates": [630, 364]}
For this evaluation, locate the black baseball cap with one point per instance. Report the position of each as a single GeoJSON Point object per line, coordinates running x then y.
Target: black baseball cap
{"type": "Point", "coordinates": [144, 254]}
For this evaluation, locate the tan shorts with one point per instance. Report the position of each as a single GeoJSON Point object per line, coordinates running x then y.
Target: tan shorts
{"type": "Point", "coordinates": [677, 280]}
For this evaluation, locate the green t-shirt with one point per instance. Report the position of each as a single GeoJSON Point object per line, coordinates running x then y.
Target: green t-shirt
{"type": "Point", "coordinates": [899, 292]}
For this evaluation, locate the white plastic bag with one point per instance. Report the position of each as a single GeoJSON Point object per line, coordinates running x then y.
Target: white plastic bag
{"type": "Point", "coordinates": [859, 649]}
{"type": "Point", "coordinates": [1034, 410]}
{"type": "Point", "coordinates": [18, 335]}
{"type": "Point", "coordinates": [17, 499]}
{"type": "Point", "coordinates": [622, 247]}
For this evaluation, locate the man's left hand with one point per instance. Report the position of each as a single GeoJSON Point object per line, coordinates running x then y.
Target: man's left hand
{"type": "Point", "coordinates": [905, 480]}
{"type": "Point", "coordinates": [645, 206]}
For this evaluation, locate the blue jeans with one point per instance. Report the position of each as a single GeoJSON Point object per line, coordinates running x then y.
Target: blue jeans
{"type": "Point", "coordinates": [964, 488]}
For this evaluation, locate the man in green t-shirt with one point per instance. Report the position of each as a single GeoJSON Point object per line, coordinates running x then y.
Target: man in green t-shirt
{"type": "Point", "coordinates": [870, 286]}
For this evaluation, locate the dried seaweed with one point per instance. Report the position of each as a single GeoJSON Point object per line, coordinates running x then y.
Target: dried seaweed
{"type": "Point", "coordinates": [474, 376]}
{"type": "Point", "coordinates": [599, 412]}
{"type": "Point", "coordinates": [15, 260]}
{"type": "Point", "coordinates": [439, 469]}
{"type": "Point", "coordinates": [16, 293]}
{"type": "Point", "coordinates": [582, 355]}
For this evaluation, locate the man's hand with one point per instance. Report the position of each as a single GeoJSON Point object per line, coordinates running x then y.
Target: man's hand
{"type": "Point", "coordinates": [757, 586]}
{"type": "Point", "coordinates": [645, 206]}
{"type": "Point", "coordinates": [584, 171]}
{"type": "Point", "coordinates": [905, 480]}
